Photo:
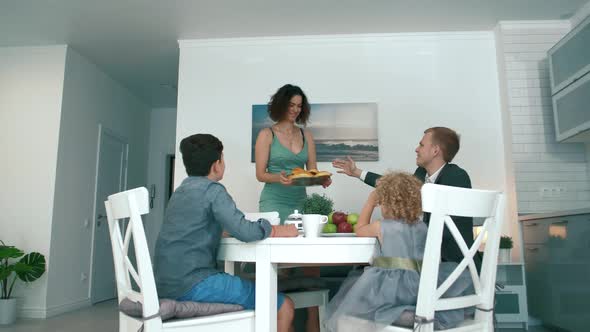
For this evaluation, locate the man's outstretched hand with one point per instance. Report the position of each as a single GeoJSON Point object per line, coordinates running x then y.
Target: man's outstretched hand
{"type": "Point", "coordinates": [347, 167]}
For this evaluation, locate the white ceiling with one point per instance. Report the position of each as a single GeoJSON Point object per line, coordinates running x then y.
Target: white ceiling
{"type": "Point", "coordinates": [134, 41]}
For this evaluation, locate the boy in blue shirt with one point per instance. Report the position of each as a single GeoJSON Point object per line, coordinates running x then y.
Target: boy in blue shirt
{"type": "Point", "coordinates": [198, 212]}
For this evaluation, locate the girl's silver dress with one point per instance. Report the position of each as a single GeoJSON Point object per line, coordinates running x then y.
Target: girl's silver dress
{"type": "Point", "coordinates": [380, 295]}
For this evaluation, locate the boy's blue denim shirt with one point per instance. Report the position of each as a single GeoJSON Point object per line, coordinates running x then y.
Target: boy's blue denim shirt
{"type": "Point", "coordinates": [187, 246]}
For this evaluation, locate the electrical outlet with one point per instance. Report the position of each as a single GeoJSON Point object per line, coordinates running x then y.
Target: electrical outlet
{"type": "Point", "coordinates": [552, 192]}
{"type": "Point", "coordinates": [86, 223]}
{"type": "Point", "coordinates": [83, 277]}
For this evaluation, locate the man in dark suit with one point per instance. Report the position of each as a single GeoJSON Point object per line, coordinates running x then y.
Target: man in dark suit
{"type": "Point", "coordinates": [436, 150]}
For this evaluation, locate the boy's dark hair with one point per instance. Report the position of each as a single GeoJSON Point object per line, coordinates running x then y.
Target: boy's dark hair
{"type": "Point", "coordinates": [199, 152]}
{"type": "Point", "coordinates": [279, 104]}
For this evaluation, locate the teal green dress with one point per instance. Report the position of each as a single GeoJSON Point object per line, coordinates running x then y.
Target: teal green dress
{"type": "Point", "coordinates": [275, 196]}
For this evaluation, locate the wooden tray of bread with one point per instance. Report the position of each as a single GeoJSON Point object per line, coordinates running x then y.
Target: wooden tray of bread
{"type": "Point", "coordinates": [311, 177]}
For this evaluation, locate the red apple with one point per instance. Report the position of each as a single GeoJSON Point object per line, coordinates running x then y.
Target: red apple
{"type": "Point", "coordinates": [339, 217]}
{"type": "Point", "coordinates": [344, 227]}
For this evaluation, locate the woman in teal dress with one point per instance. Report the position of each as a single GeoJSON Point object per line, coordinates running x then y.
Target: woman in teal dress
{"type": "Point", "coordinates": [281, 148]}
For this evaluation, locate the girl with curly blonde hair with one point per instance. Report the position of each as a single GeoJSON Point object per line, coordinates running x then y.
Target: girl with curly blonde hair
{"type": "Point", "coordinates": [398, 196]}
{"type": "Point", "coordinates": [386, 292]}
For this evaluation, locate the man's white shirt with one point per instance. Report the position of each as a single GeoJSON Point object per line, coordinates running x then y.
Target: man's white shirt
{"type": "Point", "coordinates": [433, 177]}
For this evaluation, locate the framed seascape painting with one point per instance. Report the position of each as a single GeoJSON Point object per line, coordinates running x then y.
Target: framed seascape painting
{"type": "Point", "coordinates": [339, 130]}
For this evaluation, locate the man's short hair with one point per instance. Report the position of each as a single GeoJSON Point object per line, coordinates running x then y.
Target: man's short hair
{"type": "Point", "coordinates": [447, 139]}
{"type": "Point", "coordinates": [199, 152]}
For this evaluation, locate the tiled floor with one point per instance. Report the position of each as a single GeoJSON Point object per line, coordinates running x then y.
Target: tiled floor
{"type": "Point", "coordinates": [103, 318]}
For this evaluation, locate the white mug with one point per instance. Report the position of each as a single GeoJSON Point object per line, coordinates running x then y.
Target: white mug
{"type": "Point", "coordinates": [313, 224]}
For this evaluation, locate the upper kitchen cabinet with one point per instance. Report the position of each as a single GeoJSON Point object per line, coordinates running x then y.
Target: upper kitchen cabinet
{"type": "Point", "coordinates": [569, 62]}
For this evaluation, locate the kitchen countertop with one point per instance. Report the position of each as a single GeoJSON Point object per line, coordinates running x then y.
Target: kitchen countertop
{"type": "Point", "coordinates": [545, 215]}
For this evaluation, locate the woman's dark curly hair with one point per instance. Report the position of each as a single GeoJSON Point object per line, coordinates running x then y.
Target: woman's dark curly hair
{"type": "Point", "coordinates": [399, 195]}
{"type": "Point", "coordinates": [278, 106]}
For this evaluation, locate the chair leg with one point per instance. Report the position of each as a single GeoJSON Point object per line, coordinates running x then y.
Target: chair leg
{"type": "Point", "coordinates": [322, 314]}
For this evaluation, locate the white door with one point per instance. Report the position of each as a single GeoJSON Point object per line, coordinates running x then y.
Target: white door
{"type": "Point", "coordinates": [111, 178]}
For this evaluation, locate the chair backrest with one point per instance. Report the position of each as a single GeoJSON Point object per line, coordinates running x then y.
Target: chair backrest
{"type": "Point", "coordinates": [272, 217]}
{"type": "Point", "coordinates": [443, 202]}
{"type": "Point", "coordinates": [131, 204]}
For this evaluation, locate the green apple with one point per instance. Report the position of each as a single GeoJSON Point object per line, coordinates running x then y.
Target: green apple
{"type": "Point", "coordinates": [329, 228]}
{"type": "Point", "coordinates": [352, 218]}
{"type": "Point", "coordinates": [330, 218]}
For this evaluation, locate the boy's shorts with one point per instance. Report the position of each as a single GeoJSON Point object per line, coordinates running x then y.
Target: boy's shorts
{"type": "Point", "coordinates": [226, 288]}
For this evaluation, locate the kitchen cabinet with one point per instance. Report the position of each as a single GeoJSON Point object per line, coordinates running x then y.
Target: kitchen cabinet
{"type": "Point", "coordinates": [569, 64]}
{"type": "Point", "coordinates": [557, 268]}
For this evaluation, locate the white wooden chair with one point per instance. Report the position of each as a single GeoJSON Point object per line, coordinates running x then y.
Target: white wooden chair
{"type": "Point", "coordinates": [303, 299]}
{"type": "Point", "coordinates": [443, 202]}
{"type": "Point", "coordinates": [132, 204]}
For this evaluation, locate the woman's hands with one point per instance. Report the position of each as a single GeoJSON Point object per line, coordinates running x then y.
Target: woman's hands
{"type": "Point", "coordinates": [284, 179]}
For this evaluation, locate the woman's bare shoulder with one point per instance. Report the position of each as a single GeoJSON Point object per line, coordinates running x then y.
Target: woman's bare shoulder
{"type": "Point", "coordinates": [265, 134]}
{"type": "Point", "coordinates": [307, 133]}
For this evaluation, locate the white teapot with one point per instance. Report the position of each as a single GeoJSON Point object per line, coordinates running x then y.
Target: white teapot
{"type": "Point", "coordinates": [295, 219]}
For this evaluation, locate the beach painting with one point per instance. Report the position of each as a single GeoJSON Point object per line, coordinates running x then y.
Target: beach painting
{"type": "Point", "coordinates": [339, 130]}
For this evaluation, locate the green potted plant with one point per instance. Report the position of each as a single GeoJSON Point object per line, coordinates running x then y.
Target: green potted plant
{"type": "Point", "coordinates": [505, 245]}
{"type": "Point", "coordinates": [14, 264]}
{"type": "Point", "coordinates": [317, 204]}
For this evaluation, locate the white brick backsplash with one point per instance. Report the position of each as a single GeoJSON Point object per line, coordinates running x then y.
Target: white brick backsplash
{"type": "Point", "coordinates": [575, 186]}
{"type": "Point", "coordinates": [553, 148]}
{"type": "Point", "coordinates": [531, 119]}
{"type": "Point", "coordinates": [532, 196]}
{"type": "Point", "coordinates": [532, 31]}
{"type": "Point", "coordinates": [531, 110]}
{"type": "Point", "coordinates": [549, 176]}
{"type": "Point", "coordinates": [527, 48]}
{"type": "Point", "coordinates": [527, 65]}
{"type": "Point", "coordinates": [564, 157]}
{"type": "Point", "coordinates": [530, 101]}
{"type": "Point", "coordinates": [566, 148]}
{"type": "Point", "coordinates": [530, 92]}
{"type": "Point", "coordinates": [584, 196]}
{"type": "Point", "coordinates": [517, 148]}
{"type": "Point", "coordinates": [526, 138]}
{"type": "Point", "coordinates": [545, 206]}
{"type": "Point", "coordinates": [532, 39]}
{"type": "Point", "coordinates": [532, 56]}
{"type": "Point", "coordinates": [549, 167]}
{"type": "Point", "coordinates": [539, 73]}
{"type": "Point", "coordinates": [539, 160]}
{"type": "Point", "coordinates": [524, 83]}
{"type": "Point", "coordinates": [532, 129]}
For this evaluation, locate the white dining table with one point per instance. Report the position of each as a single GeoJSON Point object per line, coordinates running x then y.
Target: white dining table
{"type": "Point", "coordinates": [269, 253]}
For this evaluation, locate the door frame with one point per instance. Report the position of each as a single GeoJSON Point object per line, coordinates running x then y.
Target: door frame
{"type": "Point", "coordinates": [102, 130]}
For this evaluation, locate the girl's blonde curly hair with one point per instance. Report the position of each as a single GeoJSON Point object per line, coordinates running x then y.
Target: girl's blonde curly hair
{"type": "Point", "coordinates": [398, 194]}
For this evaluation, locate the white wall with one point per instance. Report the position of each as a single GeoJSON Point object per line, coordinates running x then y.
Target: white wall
{"type": "Point", "coordinates": [539, 161]}
{"type": "Point", "coordinates": [161, 144]}
{"type": "Point", "coordinates": [418, 81]}
{"type": "Point", "coordinates": [90, 98]}
{"type": "Point", "coordinates": [31, 80]}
